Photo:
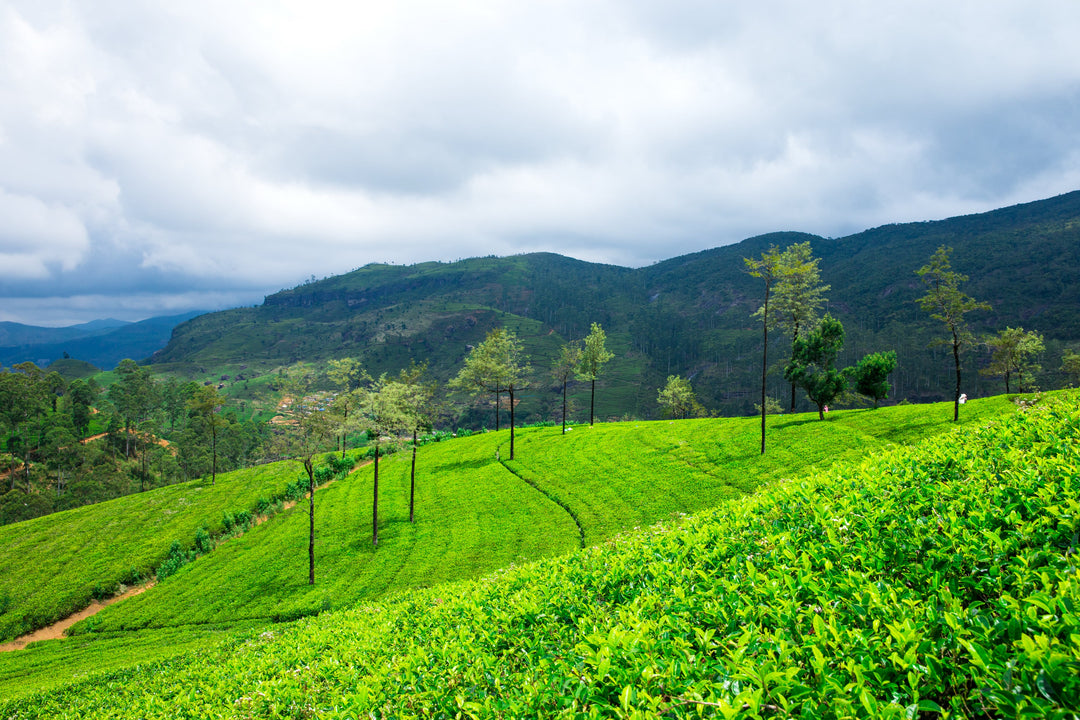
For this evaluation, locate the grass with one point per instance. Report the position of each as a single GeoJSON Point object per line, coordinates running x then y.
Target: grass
{"type": "Point", "coordinates": [934, 581]}
{"type": "Point", "coordinates": [473, 516]}
{"type": "Point", "coordinates": [52, 566]}
{"type": "Point", "coordinates": [618, 476]}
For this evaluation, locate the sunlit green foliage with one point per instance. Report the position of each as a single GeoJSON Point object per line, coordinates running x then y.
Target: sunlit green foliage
{"type": "Point", "coordinates": [915, 583]}
{"type": "Point", "coordinates": [52, 566]}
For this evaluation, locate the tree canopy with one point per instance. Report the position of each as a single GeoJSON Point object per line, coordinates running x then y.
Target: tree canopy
{"type": "Point", "coordinates": [1013, 350]}
{"type": "Point", "coordinates": [594, 355]}
{"type": "Point", "coordinates": [946, 302]}
{"type": "Point", "coordinates": [812, 366]}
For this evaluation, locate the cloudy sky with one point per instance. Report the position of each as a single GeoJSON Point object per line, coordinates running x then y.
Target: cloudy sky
{"type": "Point", "coordinates": [157, 157]}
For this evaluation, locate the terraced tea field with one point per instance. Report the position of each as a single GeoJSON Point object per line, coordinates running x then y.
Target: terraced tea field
{"type": "Point", "coordinates": [475, 514]}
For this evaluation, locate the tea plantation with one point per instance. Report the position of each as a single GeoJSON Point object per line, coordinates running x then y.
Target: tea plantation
{"type": "Point", "coordinates": [927, 581]}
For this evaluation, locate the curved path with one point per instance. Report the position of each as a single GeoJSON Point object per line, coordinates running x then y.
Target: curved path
{"type": "Point", "coordinates": [549, 495]}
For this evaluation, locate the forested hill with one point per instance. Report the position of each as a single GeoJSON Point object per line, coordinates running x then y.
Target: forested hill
{"type": "Point", "coordinates": [689, 315]}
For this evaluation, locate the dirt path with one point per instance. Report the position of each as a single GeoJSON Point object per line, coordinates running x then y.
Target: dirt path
{"type": "Point", "coordinates": [56, 630]}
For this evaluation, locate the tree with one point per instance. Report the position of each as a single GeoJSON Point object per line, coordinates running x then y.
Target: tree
{"type": "Point", "coordinates": [205, 403]}
{"type": "Point", "coordinates": [677, 398]}
{"type": "Point", "coordinates": [380, 410]}
{"type": "Point", "coordinates": [1012, 351]}
{"type": "Point", "coordinates": [871, 375]}
{"type": "Point", "coordinates": [348, 375]}
{"type": "Point", "coordinates": [799, 293]}
{"type": "Point", "coordinates": [498, 362]}
{"type": "Point", "coordinates": [81, 396]}
{"type": "Point", "coordinates": [770, 269]}
{"type": "Point", "coordinates": [22, 398]}
{"type": "Point", "coordinates": [563, 369]}
{"type": "Point", "coordinates": [812, 363]}
{"type": "Point", "coordinates": [593, 358]}
{"type": "Point", "coordinates": [945, 302]}
{"type": "Point", "coordinates": [1070, 365]}
{"type": "Point", "coordinates": [134, 396]}
{"type": "Point", "coordinates": [307, 434]}
{"type": "Point", "coordinates": [416, 401]}
{"type": "Point", "coordinates": [482, 372]}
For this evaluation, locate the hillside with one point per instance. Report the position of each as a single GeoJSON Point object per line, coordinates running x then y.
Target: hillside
{"type": "Point", "coordinates": [689, 315]}
{"type": "Point", "coordinates": [915, 582]}
{"type": "Point", "coordinates": [474, 515]}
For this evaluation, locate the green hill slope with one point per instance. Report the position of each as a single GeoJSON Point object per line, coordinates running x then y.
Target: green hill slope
{"type": "Point", "coordinates": [931, 581]}
{"type": "Point", "coordinates": [52, 566]}
{"type": "Point", "coordinates": [474, 515]}
{"type": "Point", "coordinates": [689, 315]}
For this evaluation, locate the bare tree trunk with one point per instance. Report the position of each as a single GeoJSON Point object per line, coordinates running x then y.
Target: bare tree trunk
{"type": "Point", "coordinates": [956, 396]}
{"type": "Point", "coordinates": [412, 477]}
{"type": "Point", "coordinates": [213, 442]}
{"type": "Point", "coordinates": [592, 401]}
{"type": "Point", "coordinates": [564, 406]}
{"type": "Point", "coordinates": [310, 467]}
{"type": "Point", "coordinates": [375, 500]}
{"type": "Point", "coordinates": [344, 433]}
{"type": "Point", "coordinates": [764, 364]}
{"type": "Point", "coordinates": [497, 391]}
{"type": "Point", "coordinates": [794, 337]}
{"type": "Point", "coordinates": [511, 422]}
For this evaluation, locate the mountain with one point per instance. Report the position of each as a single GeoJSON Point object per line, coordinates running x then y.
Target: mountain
{"type": "Point", "coordinates": [103, 343]}
{"type": "Point", "coordinates": [15, 334]}
{"type": "Point", "coordinates": [690, 315]}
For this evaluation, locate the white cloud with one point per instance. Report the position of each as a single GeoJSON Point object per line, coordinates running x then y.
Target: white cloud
{"type": "Point", "coordinates": [246, 145]}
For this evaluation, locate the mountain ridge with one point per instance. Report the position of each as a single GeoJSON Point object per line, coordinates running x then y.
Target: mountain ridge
{"type": "Point", "coordinates": [688, 315]}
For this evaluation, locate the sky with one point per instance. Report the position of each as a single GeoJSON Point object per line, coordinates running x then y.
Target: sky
{"type": "Point", "coordinates": [159, 157]}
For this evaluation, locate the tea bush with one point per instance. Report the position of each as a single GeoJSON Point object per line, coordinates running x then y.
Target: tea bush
{"type": "Point", "coordinates": [935, 581]}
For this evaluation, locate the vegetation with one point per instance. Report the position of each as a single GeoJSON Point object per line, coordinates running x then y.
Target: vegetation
{"type": "Point", "coordinates": [562, 370]}
{"type": "Point", "coordinates": [799, 294]}
{"type": "Point", "coordinates": [52, 566]}
{"type": "Point", "coordinates": [1070, 365]}
{"type": "Point", "coordinates": [588, 486]}
{"type": "Point", "coordinates": [71, 443]}
{"type": "Point", "coordinates": [945, 302]}
{"type": "Point", "coordinates": [1014, 351]}
{"type": "Point", "coordinates": [919, 582]}
{"type": "Point", "coordinates": [498, 364]}
{"type": "Point", "coordinates": [770, 269]}
{"type": "Point", "coordinates": [581, 488]}
{"type": "Point", "coordinates": [813, 364]}
{"type": "Point", "coordinates": [678, 400]}
{"type": "Point", "coordinates": [871, 375]}
{"type": "Point", "coordinates": [594, 355]}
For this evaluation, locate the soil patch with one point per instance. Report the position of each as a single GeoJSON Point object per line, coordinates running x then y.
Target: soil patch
{"type": "Point", "coordinates": [57, 629]}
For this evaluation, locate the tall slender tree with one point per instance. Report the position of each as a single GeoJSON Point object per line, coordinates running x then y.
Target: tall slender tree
{"type": "Point", "coordinates": [945, 302]}
{"type": "Point", "coordinates": [135, 397]}
{"type": "Point", "coordinates": [416, 398]}
{"type": "Point", "coordinates": [380, 411]}
{"type": "Point", "coordinates": [799, 294]}
{"type": "Point", "coordinates": [307, 433]}
{"type": "Point", "coordinates": [770, 269]}
{"type": "Point", "coordinates": [348, 375]}
{"type": "Point", "coordinates": [563, 369]}
{"type": "Point", "coordinates": [594, 355]}
{"type": "Point", "coordinates": [205, 403]}
{"type": "Point", "coordinates": [481, 372]}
